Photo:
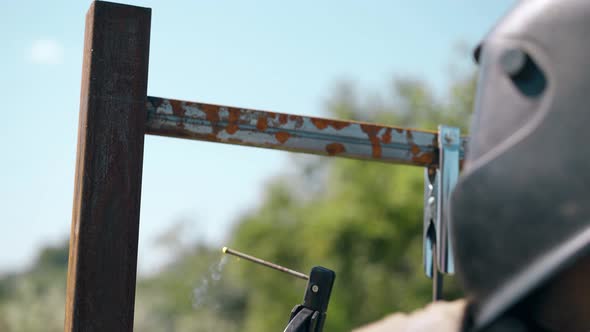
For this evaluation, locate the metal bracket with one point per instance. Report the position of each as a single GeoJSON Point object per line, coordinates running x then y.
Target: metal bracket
{"type": "Point", "coordinates": [438, 185]}
{"type": "Point", "coordinates": [430, 217]}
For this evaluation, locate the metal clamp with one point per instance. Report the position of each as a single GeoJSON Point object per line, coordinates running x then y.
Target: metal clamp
{"type": "Point", "coordinates": [438, 185]}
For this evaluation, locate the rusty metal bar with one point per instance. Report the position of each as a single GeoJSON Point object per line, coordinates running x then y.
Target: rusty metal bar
{"type": "Point", "coordinates": [231, 125]}
{"type": "Point", "coordinates": [105, 218]}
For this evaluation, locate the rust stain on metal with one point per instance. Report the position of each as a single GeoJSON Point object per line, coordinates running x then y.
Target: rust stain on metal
{"type": "Point", "coordinates": [261, 123]}
{"type": "Point", "coordinates": [399, 130]}
{"type": "Point", "coordinates": [211, 113]}
{"type": "Point", "coordinates": [414, 148]}
{"type": "Point", "coordinates": [372, 131]}
{"type": "Point", "coordinates": [386, 137]}
{"type": "Point", "coordinates": [339, 124]}
{"type": "Point", "coordinates": [212, 136]}
{"type": "Point", "coordinates": [283, 119]}
{"type": "Point", "coordinates": [297, 119]}
{"type": "Point", "coordinates": [234, 117]}
{"type": "Point", "coordinates": [177, 108]}
{"type": "Point", "coordinates": [426, 158]}
{"type": "Point", "coordinates": [235, 140]}
{"type": "Point", "coordinates": [319, 123]}
{"type": "Point", "coordinates": [335, 148]}
{"type": "Point", "coordinates": [282, 136]}
{"type": "Point", "coordinates": [324, 123]}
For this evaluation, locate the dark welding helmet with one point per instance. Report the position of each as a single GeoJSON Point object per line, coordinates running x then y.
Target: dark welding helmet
{"type": "Point", "coordinates": [520, 213]}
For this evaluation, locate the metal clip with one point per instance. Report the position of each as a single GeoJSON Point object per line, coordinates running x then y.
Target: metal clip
{"type": "Point", "coordinates": [438, 185]}
{"type": "Point", "coordinates": [449, 141]}
{"type": "Point", "coordinates": [430, 216]}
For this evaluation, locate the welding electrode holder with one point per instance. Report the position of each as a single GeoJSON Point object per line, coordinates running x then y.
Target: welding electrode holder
{"type": "Point", "coordinates": [311, 315]}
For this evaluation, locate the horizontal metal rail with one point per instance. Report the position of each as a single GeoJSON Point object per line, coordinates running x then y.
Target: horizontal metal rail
{"type": "Point", "coordinates": [350, 139]}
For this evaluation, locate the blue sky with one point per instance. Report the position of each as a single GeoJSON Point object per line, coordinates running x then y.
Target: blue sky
{"type": "Point", "coordinates": [272, 55]}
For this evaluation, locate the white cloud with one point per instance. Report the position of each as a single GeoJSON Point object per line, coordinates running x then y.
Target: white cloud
{"type": "Point", "coordinates": [46, 52]}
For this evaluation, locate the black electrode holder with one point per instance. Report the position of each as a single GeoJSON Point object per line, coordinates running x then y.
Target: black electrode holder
{"type": "Point", "coordinates": [311, 315]}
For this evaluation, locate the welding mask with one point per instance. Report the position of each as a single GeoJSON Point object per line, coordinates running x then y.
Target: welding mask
{"type": "Point", "coordinates": [520, 212]}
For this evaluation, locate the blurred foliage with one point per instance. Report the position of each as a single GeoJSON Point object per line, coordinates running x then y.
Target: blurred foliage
{"type": "Point", "coordinates": [364, 221]}
{"type": "Point", "coordinates": [361, 219]}
{"type": "Point", "coordinates": [34, 300]}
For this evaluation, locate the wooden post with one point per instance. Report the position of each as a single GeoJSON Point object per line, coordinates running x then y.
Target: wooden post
{"type": "Point", "coordinates": [105, 219]}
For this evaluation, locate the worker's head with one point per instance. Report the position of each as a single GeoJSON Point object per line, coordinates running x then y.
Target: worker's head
{"type": "Point", "coordinates": [521, 211]}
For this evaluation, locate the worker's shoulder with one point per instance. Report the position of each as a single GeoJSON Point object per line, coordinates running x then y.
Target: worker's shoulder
{"type": "Point", "coordinates": [439, 316]}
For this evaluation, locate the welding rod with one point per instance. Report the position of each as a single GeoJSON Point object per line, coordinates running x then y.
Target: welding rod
{"type": "Point", "coordinates": [227, 250]}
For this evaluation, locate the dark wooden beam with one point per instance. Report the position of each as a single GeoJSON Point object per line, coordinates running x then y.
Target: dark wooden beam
{"type": "Point", "coordinates": [105, 222]}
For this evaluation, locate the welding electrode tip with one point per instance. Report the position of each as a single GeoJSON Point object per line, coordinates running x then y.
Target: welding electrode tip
{"type": "Point", "coordinates": [236, 253]}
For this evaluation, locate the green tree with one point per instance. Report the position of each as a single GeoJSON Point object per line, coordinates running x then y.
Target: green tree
{"type": "Point", "coordinates": [34, 300]}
